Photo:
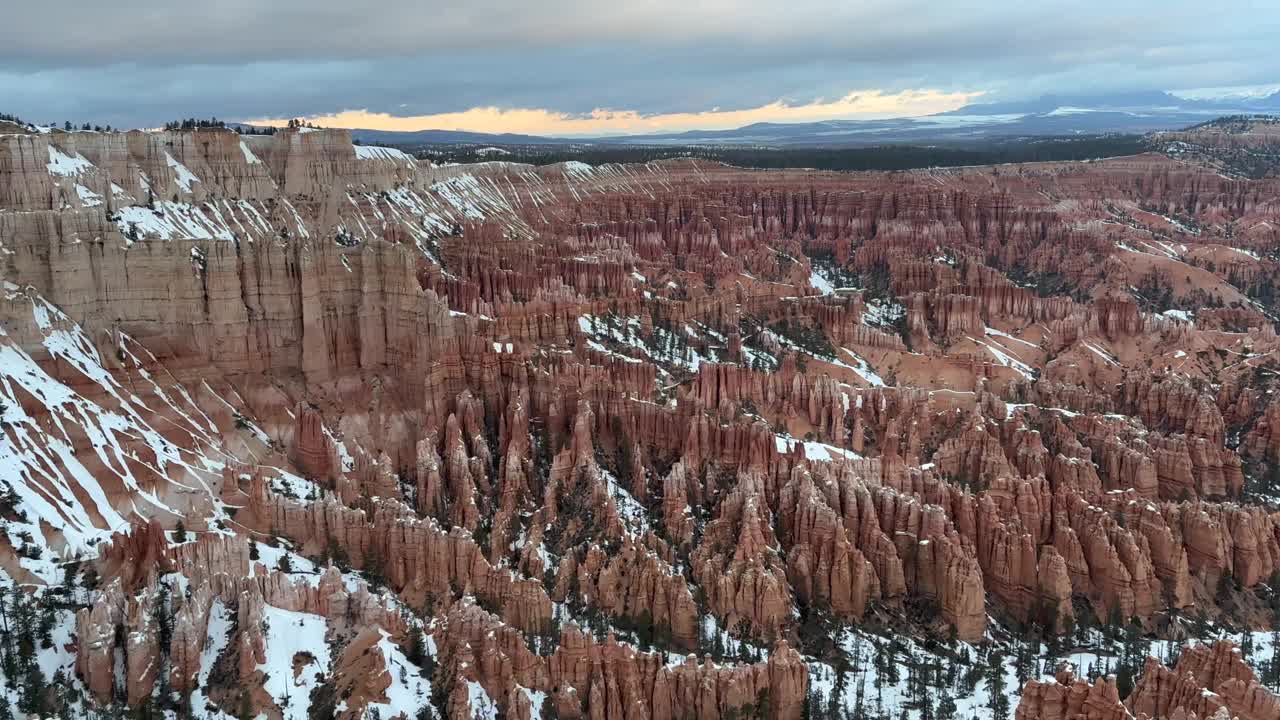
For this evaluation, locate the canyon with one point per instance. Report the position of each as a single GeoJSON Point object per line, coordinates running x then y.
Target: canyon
{"type": "Point", "coordinates": [292, 427]}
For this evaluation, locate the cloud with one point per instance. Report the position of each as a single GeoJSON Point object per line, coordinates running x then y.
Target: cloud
{"type": "Point", "coordinates": [87, 31]}
{"type": "Point", "coordinates": [866, 104]}
{"type": "Point", "coordinates": [142, 62]}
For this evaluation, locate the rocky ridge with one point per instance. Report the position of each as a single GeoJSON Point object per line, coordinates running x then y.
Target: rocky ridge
{"type": "Point", "coordinates": [294, 426]}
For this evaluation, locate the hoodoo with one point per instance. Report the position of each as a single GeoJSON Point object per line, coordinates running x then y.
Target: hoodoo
{"type": "Point", "coordinates": [294, 427]}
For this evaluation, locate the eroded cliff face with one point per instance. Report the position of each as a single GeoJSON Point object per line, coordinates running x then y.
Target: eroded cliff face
{"type": "Point", "coordinates": [337, 431]}
{"type": "Point", "coordinates": [1208, 681]}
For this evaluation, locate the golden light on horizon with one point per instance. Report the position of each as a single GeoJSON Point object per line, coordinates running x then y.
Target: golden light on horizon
{"type": "Point", "coordinates": [871, 104]}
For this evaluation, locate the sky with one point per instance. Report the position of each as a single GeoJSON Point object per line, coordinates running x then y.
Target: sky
{"type": "Point", "coordinates": [574, 68]}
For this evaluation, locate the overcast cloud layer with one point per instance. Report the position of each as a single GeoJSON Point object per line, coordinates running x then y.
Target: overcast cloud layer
{"type": "Point", "coordinates": [607, 66]}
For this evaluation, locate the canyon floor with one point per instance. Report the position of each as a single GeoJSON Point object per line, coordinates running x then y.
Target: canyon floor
{"type": "Point", "coordinates": [295, 428]}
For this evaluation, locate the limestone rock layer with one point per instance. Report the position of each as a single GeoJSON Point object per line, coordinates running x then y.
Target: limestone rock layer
{"type": "Point", "coordinates": [334, 428]}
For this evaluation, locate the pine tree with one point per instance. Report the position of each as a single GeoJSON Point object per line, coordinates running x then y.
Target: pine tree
{"type": "Point", "coordinates": [890, 667]}
{"type": "Point", "coordinates": [1271, 671]}
{"type": "Point", "coordinates": [925, 703]}
{"type": "Point", "coordinates": [180, 532]}
{"type": "Point", "coordinates": [946, 707]}
{"type": "Point", "coordinates": [374, 568]}
{"type": "Point", "coordinates": [763, 706]}
{"type": "Point", "coordinates": [1114, 621]}
{"type": "Point", "coordinates": [995, 683]}
{"type": "Point", "coordinates": [1124, 680]}
{"type": "Point", "coordinates": [1024, 661]}
{"type": "Point", "coordinates": [33, 697]}
{"type": "Point", "coordinates": [717, 645]}
{"type": "Point", "coordinates": [1225, 583]}
{"type": "Point", "coordinates": [417, 648]}
{"type": "Point", "coordinates": [835, 700]}
{"type": "Point", "coordinates": [858, 712]}
{"type": "Point", "coordinates": [1000, 707]}
{"type": "Point", "coordinates": [841, 666]}
{"type": "Point", "coordinates": [48, 619]}
{"type": "Point", "coordinates": [8, 655]}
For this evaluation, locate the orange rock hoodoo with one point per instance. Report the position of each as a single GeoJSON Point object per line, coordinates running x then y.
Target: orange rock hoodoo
{"type": "Point", "coordinates": [573, 431]}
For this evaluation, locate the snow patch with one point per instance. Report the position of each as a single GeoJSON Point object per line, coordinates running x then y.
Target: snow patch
{"type": "Point", "coordinates": [408, 691]}
{"type": "Point", "coordinates": [249, 157]}
{"type": "Point", "coordinates": [66, 165]}
{"type": "Point", "coordinates": [821, 284]}
{"type": "Point", "coordinates": [288, 635]}
{"type": "Point", "coordinates": [184, 177]}
{"type": "Point", "coordinates": [377, 152]}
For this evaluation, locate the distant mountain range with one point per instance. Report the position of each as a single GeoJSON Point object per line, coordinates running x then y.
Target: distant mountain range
{"type": "Point", "coordinates": [1049, 115]}
{"type": "Point", "coordinates": [452, 137]}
